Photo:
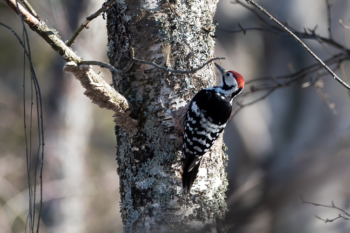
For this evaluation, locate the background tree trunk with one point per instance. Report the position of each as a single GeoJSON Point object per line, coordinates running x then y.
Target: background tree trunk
{"type": "Point", "coordinates": [177, 35]}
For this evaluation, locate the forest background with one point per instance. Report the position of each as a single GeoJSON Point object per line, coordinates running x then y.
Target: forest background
{"type": "Point", "coordinates": [292, 143]}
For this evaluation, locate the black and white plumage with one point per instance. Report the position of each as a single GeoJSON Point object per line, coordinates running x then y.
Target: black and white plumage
{"type": "Point", "coordinates": [206, 118]}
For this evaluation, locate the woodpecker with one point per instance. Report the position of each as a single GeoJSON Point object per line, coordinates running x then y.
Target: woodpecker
{"type": "Point", "coordinates": [206, 117]}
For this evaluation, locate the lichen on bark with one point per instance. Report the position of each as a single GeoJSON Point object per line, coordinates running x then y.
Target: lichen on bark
{"type": "Point", "coordinates": [176, 34]}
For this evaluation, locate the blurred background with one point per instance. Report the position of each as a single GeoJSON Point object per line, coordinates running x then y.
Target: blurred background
{"type": "Point", "coordinates": [81, 191]}
{"type": "Point", "coordinates": [293, 143]}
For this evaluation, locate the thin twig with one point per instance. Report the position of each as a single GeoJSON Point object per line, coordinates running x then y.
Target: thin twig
{"type": "Point", "coordinates": [105, 6]}
{"type": "Point", "coordinates": [139, 61]}
{"type": "Point", "coordinates": [245, 29]}
{"type": "Point", "coordinates": [253, 11]}
{"type": "Point", "coordinates": [299, 34]}
{"type": "Point", "coordinates": [346, 217]}
{"type": "Point", "coordinates": [279, 31]}
{"type": "Point", "coordinates": [49, 35]}
{"type": "Point", "coordinates": [108, 66]}
{"type": "Point", "coordinates": [104, 96]}
{"type": "Point", "coordinates": [276, 81]}
{"type": "Point", "coordinates": [312, 68]}
{"type": "Point", "coordinates": [332, 220]}
{"type": "Point", "coordinates": [272, 83]}
{"type": "Point", "coordinates": [29, 8]}
{"type": "Point", "coordinates": [239, 103]}
{"type": "Point", "coordinates": [326, 206]}
{"type": "Point", "coordinates": [26, 48]}
{"type": "Point", "coordinates": [300, 42]}
{"type": "Point", "coordinates": [329, 19]}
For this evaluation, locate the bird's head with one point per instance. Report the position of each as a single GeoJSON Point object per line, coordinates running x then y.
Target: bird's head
{"type": "Point", "coordinates": [232, 82]}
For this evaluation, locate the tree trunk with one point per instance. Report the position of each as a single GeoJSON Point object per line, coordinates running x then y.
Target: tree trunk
{"type": "Point", "coordinates": [178, 35]}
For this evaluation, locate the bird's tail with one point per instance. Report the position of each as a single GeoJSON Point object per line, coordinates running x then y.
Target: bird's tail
{"type": "Point", "coordinates": [188, 177]}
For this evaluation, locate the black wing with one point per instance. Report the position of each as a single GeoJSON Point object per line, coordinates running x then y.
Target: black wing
{"type": "Point", "coordinates": [202, 128]}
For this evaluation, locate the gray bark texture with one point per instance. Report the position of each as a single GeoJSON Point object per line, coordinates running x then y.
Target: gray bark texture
{"type": "Point", "coordinates": [178, 35]}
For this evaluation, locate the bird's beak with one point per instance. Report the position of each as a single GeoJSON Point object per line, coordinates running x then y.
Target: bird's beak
{"type": "Point", "coordinates": [222, 70]}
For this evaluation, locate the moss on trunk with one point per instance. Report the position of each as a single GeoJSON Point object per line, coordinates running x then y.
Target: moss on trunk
{"type": "Point", "coordinates": [176, 34]}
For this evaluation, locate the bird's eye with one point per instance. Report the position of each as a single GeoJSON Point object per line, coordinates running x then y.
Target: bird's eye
{"type": "Point", "coordinates": [227, 74]}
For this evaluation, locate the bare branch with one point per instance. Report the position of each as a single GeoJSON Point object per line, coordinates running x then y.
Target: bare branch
{"type": "Point", "coordinates": [29, 8]}
{"type": "Point", "coordinates": [346, 217]}
{"type": "Point", "coordinates": [303, 35]}
{"type": "Point", "coordinates": [105, 7]}
{"type": "Point", "coordinates": [241, 105]}
{"type": "Point", "coordinates": [331, 220]}
{"type": "Point", "coordinates": [49, 35]}
{"type": "Point", "coordinates": [98, 90]}
{"type": "Point", "coordinates": [108, 66]}
{"type": "Point", "coordinates": [329, 6]}
{"type": "Point", "coordinates": [300, 42]}
{"type": "Point", "coordinates": [281, 32]}
{"type": "Point", "coordinates": [244, 30]}
{"type": "Point", "coordinates": [254, 12]}
{"type": "Point", "coordinates": [270, 84]}
{"type": "Point", "coordinates": [139, 61]}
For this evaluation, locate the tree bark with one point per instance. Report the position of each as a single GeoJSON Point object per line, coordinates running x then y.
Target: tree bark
{"type": "Point", "coordinates": [180, 35]}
